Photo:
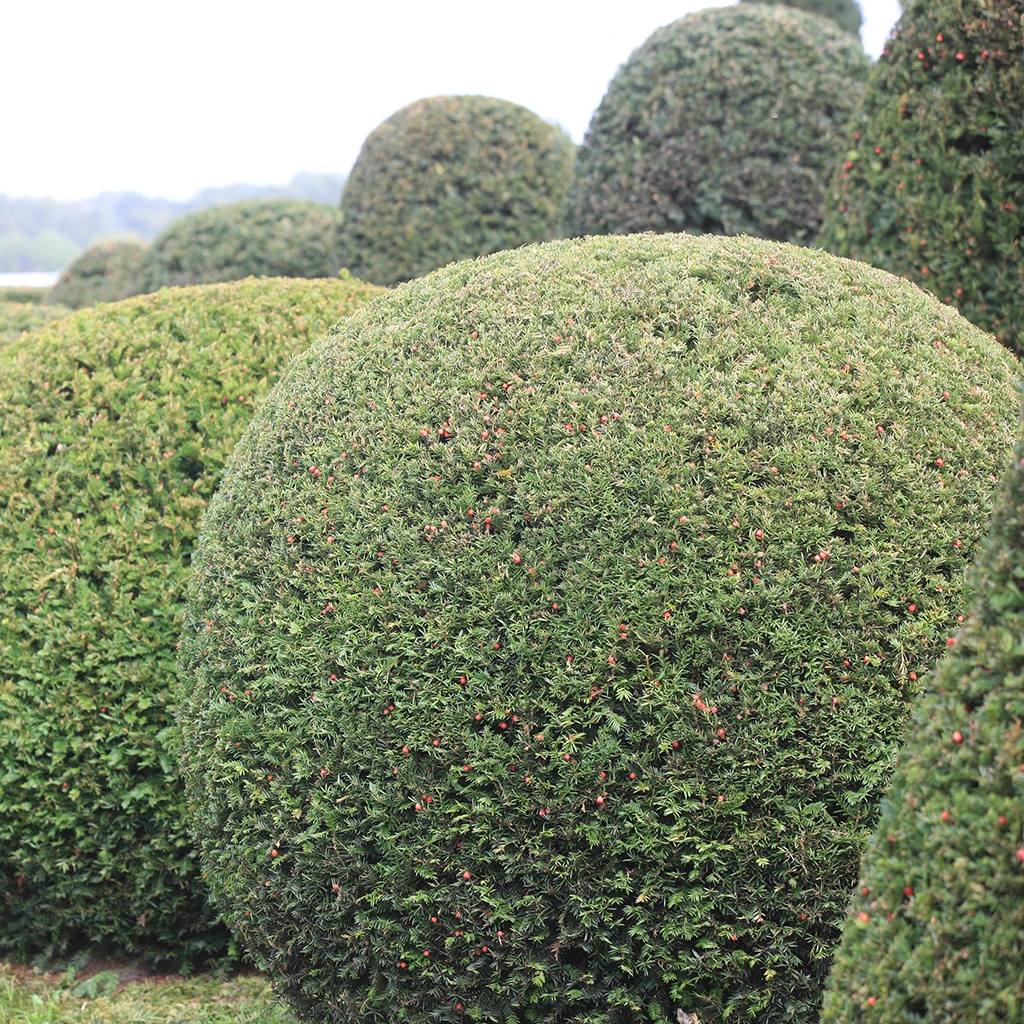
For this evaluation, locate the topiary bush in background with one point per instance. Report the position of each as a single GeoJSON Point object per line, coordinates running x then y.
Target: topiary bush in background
{"type": "Point", "coordinates": [932, 187]}
{"type": "Point", "coordinates": [845, 13]}
{"type": "Point", "coordinates": [935, 930]}
{"type": "Point", "coordinates": [261, 237]}
{"type": "Point", "coordinates": [450, 178]}
{"type": "Point", "coordinates": [18, 317]}
{"type": "Point", "coordinates": [103, 273]}
{"type": "Point", "coordinates": [553, 629]}
{"type": "Point", "coordinates": [728, 121]}
{"type": "Point", "coordinates": [115, 424]}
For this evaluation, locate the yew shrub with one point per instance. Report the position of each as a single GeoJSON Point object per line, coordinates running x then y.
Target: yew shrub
{"type": "Point", "coordinates": [553, 629]}
{"type": "Point", "coordinates": [114, 427]}
{"type": "Point", "coordinates": [728, 121]}
{"type": "Point", "coordinates": [934, 932]}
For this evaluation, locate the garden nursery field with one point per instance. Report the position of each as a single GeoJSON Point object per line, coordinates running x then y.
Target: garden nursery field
{"type": "Point", "coordinates": [557, 585]}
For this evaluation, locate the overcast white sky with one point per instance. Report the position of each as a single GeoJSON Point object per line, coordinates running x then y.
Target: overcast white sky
{"type": "Point", "coordinates": [167, 98]}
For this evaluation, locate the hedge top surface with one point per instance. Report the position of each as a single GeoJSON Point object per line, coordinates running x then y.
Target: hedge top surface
{"type": "Point", "coordinates": [115, 425]}
{"type": "Point", "coordinates": [552, 617]}
{"type": "Point", "coordinates": [105, 272]}
{"type": "Point", "coordinates": [932, 186]}
{"type": "Point", "coordinates": [727, 121]}
{"type": "Point", "coordinates": [18, 317]}
{"type": "Point", "coordinates": [450, 178]}
{"type": "Point", "coordinates": [845, 13]}
{"type": "Point", "coordinates": [260, 237]}
{"type": "Point", "coordinates": [942, 884]}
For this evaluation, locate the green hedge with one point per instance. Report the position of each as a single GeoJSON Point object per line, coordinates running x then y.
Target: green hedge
{"type": "Point", "coordinates": [845, 13]}
{"type": "Point", "coordinates": [32, 296]}
{"type": "Point", "coordinates": [103, 273]}
{"type": "Point", "coordinates": [18, 317]}
{"type": "Point", "coordinates": [114, 426]}
{"type": "Point", "coordinates": [728, 121]}
{"type": "Point", "coordinates": [553, 618]}
{"type": "Point", "coordinates": [936, 930]}
{"type": "Point", "coordinates": [261, 237]}
{"type": "Point", "coordinates": [450, 178]}
{"type": "Point", "coordinates": [932, 187]}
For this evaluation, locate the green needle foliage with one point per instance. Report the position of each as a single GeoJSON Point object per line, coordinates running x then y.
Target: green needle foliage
{"type": "Point", "coordinates": [845, 13]}
{"type": "Point", "coordinates": [728, 121]}
{"type": "Point", "coordinates": [548, 644]}
{"type": "Point", "coordinates": [261, 237]}
{"type": "Point", "coordinates": [114, 427]}
{"type": "Point", "coordinates": [104, 273]}
{"type": "Point", "coordinates": [451, 178]}
{"type": "Point", "coordinates": [932, 187]}
{"type": "Point", "coordinates": [935, 931]}
{"type": "Point", "coordinates": [18, 317]}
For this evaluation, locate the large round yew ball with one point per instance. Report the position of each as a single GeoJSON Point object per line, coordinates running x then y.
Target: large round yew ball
{"type": "Point", "coordinates": [554, 627]}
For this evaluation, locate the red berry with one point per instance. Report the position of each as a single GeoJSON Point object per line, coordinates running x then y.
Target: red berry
{"type": "Point", "coordinates": [908, 891]}
{"type": "Point", "coordinates": [273, 853]}
{"type": "Point", "coordinates": [466, 875]}
{"type": "Point", "coordinates": [958, 736]}
{"type": "Point", "coordinates": [863, 916]}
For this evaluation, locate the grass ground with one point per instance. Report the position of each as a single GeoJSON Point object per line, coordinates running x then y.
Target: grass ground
{"type": "Point", "coordinates": [125, 992]}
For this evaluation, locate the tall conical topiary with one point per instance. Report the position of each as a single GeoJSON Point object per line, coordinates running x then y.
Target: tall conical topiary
{"type": "Point", "coordinates": [549, 642]}
{"type": "Point", "coordinates": [932, 184]}
{"type": "Point", "coordinates": [451, 178]}
{"type": "Point", "coordinates": [259, 237]}
{"type": "Point", "coordinates": [114, 427]}
{"type": "Point", "coordinates": [845, 13]}
{"type": "Point", "coordinates": [936, 933]}
{"type": "Point", "coordinates": [105, 272]}
{"type": "Point", "coordinates": [728, 121]}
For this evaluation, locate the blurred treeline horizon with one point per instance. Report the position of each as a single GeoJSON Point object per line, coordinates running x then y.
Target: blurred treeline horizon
{"type": "Point", "coordinates": [46, 234]}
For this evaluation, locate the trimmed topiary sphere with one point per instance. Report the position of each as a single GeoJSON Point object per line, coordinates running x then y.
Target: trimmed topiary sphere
{"type": "Point", "coordinates": [933, 184]}
{"type": "Point", "coordinates": [261, 237]}
{"type": "Point", "coordinates": [935, 931]}
{"type": "Point", "coordinates": [548, 642]}
{"type": "Point", "coordinates": [727, 121]}
{"type": "Point", "coordinates": [115, 424]}
{"type": "Point", "coordinates": [450, 178]}
{"type": "Point", "coordinates": [845, 13]}
{"type": "Point", "coordinates": [104, 273]}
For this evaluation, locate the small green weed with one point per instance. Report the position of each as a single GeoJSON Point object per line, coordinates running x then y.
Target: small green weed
{"type": "Point", "coordinates": [30, 996]}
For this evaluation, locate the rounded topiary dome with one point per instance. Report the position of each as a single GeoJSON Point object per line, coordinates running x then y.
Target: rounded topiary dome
{"type": "Point", "coordinates": [260, 237]}
{"type": "Point", "coordinates": [932, 187]}
{"type": "Point", "coordinates": [450, 178]}
{"type": "Point", "coordinates": [105, 272]}
{"type": "Point", "coordinates": [727, 121]}
{"type": "Point", "coordinates": [935, 931]}
{"type": "Point", "coordinates": [845, 13]}
{"type": "Point", "coordinates": [114, 427]}
{"type": "Point", "coordinates": [548, 642]}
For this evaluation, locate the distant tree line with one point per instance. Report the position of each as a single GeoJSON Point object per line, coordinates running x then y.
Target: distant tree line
{"type": "Point", "coordinates": [45, 234]}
